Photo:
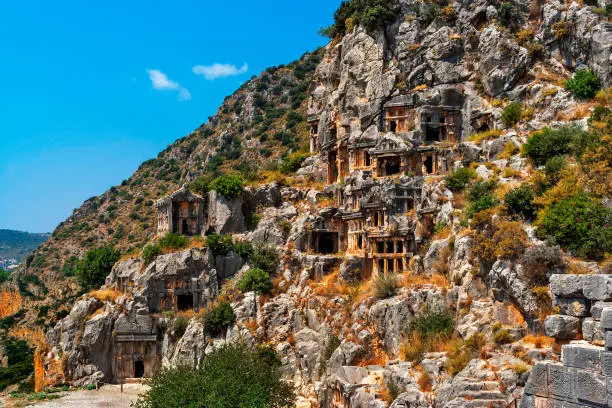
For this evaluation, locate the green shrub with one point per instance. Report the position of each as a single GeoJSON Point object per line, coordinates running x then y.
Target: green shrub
{"type": "Point", "coordinates": [173, 241]}
{"type": "Point", "coordinates": [20, 362]}
{"type": "Point", "coordinates": [232, 376]}
{"type": "Point", "coordinates": [229, 186]}
{"type": "Point", "coordinates": [265, 258]}
{"type": "Point", "coordinates": [519, 201]}
{"type": "Point", "coordinates": [255, 280]}
{"type": "Point", "coordinates": [180, 325]}
{"type": "Point", "coordinates": [433, 324]}
{"type": "Point", "coordinates": [512, 114]}
{"type": "Point", "coordinates": [428, 11]}
{"type": "Point", "coordinates": [220, 244]}
{"type": "Point", "coordinates": [549, 143]}
{"type": "Point", "coordinates": [580, 224]}
{"type": "Point", "coordinates": [372, 14]}
{"type": "Point", "coordinates": [502, 336]}
{"type": "Point", "coordinates": [150, 252]}
{"type": "Point", "coordinates": [252, 220]}
{"type": "Point", "coordinates": [385, 286]}
{"type": "Point", "coordinates": [457, 180]}
{"type": "Point", "coordinates": [97, 263]}
{"type": "Point", "coordinates": [292, 162]}
{"type": "Point", "coordinates": [218, 318]}
{"type": "Point", "coordinates": [244, 249]}
{"type": "Point", "coordinates": [553, 167]}
{"type": "Point", "coordinates": [201, 185]}
{"type": "Point", "coordinates": [508, 13]}
{"type": "Point", "coordinates": [481, 196]}
{"type": "Point", "coordinates": [584, 83]}
{"type": "Point", "coordinates": [4, 275]}
{"type": "Point", "coordinates": [333, 342]}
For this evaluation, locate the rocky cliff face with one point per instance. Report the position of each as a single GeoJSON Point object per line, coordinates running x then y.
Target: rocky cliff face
{"type": "Point", "coordinates": [461, 325]}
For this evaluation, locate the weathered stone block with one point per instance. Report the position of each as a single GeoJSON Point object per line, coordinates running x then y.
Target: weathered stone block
{"type": "Point", "coordinates": [606, 318]}
{"type": "Point", "coordinates": [597, 287]}
{"type": "Point", "coordinates": [573, 306]}
{"type": "Point", "coordinates": [537, 384]}
{"type": "Point", "coordinates": [562, 327]}
{"type": "Point", "coordinates": [608, 340]}
{"type": "Point", "coordinates": [591, 331]}
{"type": "Point", "coordinates": [561, 382]}
{"type": "Point", "coordinates": [566, 285]}
{"type": "Point", "coordinates": [590, 387]}
{"type": "Point", "coordinates": [584, 356]}
{"type": "Point", "coordinates": [606, 364]}
{"type": "Point", "coordinates": [597, 308]}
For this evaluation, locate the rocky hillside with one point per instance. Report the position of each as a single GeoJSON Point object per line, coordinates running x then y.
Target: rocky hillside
{"type": "Point", "coordinates": [522, 195]}
{"type": "Point", "coordinates": [18, 244]}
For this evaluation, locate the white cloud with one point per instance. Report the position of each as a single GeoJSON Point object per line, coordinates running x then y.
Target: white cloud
{"type": "Point", "coordinates": [161, 82]}
{"type": "Point", "coordinates": [217, 70]}
{"type": "Point", "coordinates": [184, 95]}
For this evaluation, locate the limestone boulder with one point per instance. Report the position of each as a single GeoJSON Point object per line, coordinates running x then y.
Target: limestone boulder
{"type": "Point", "coordinates": [224, 216]}
{"type": "Point", "coordinates": [502, 61]}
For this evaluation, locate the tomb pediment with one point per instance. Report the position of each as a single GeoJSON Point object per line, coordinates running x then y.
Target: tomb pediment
{"type": "Point", "coordinates": [392, 143]}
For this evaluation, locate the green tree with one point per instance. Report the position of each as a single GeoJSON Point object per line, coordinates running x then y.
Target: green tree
{"type": "Point", "coordinates": [231, 377]}
{"type": "Point", "coordinates": [508, 13]}
{"type": "Point", "coordinates": [546, 144]}
{"type": "Point", "coordinates": [457, 180]}
{"type": "Point", "coordinates": [519, 201]}
{"type": "Point", "coordinates": [219, 318]}
{"type": "Point", "coordinates": [553, 167]}
{"type": "Point", "coordinates": [150, 252]}
{"type": "Point", "coordinates": [512, 114]}
{"type": "Point", "coordinates": [584, 83]}
{"type": "Point", "coordinates": [229, 186]}
{"type": "Point", "coordinates": [220, 244]}
{"type": "Point", "coordinates": [255, 280]}
{"type": "Point", "coordinates": [97, 263]}
{"type": "Point", "coordinates": [265, 258]}
{"type": "Point", "coordinates": [292, 162]}
{"type": "Point", "coordinates": [481, 196]}
{"type": "Point", "coordinates": [581, 224]}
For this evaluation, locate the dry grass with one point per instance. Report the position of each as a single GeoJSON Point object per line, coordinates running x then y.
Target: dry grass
{"type": "Point", "coordinates": [251, 325]}
{"type": "Point", "coordinates": [196, 242]}
{"type": "Point", "coordinates": [105, 295]}
{"type": "Point", "coordinates": [419, 88]}
{"type": "Point", "coordinates": [538, 341]}
{"type": "Point", "coordinates": [603, 96]}
{"type": "Point", "coordinates": [413, 281]}
{"type": "Point", "coordinates": [510, 149]}
{"type": "Point", "coordinates": [425, 382]}
{"type": "Point", "coordinates": [97, 312]}
{"type": "Point", "coordinates": [520, 368]}
{"type": "Point", "coordinates": [509, 172]}
{"type": "Point", "coordinates": [269, 176]}
{"type": "Point", "coordinates": [579, 112]}
{"type": "Point", "coordinates": [330, 285]}
{"type": "Point", "coordinates": [486, 135]}
{"type": "Point", "coordinates": [579, 268]}
{"type": "Point", "coordinates": [551, 78]}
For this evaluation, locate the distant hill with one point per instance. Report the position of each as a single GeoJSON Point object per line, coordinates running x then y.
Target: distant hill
{"type": "Point", "coordinates": [18, 244]}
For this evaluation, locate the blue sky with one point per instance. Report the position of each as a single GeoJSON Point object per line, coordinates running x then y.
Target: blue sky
{"type": "Point", "coordinates": [90, 89]}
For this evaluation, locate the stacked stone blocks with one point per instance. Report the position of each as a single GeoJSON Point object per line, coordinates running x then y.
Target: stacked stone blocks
{"type": "Point", "coordinates": [583, 378]}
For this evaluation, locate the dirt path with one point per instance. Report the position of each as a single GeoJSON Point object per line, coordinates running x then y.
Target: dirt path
{"type": "Point", "coordinates": [108, 396]}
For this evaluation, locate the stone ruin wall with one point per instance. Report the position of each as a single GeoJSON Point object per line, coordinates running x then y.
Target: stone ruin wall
{"type": "Point", "coordinates": [583, 329]}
